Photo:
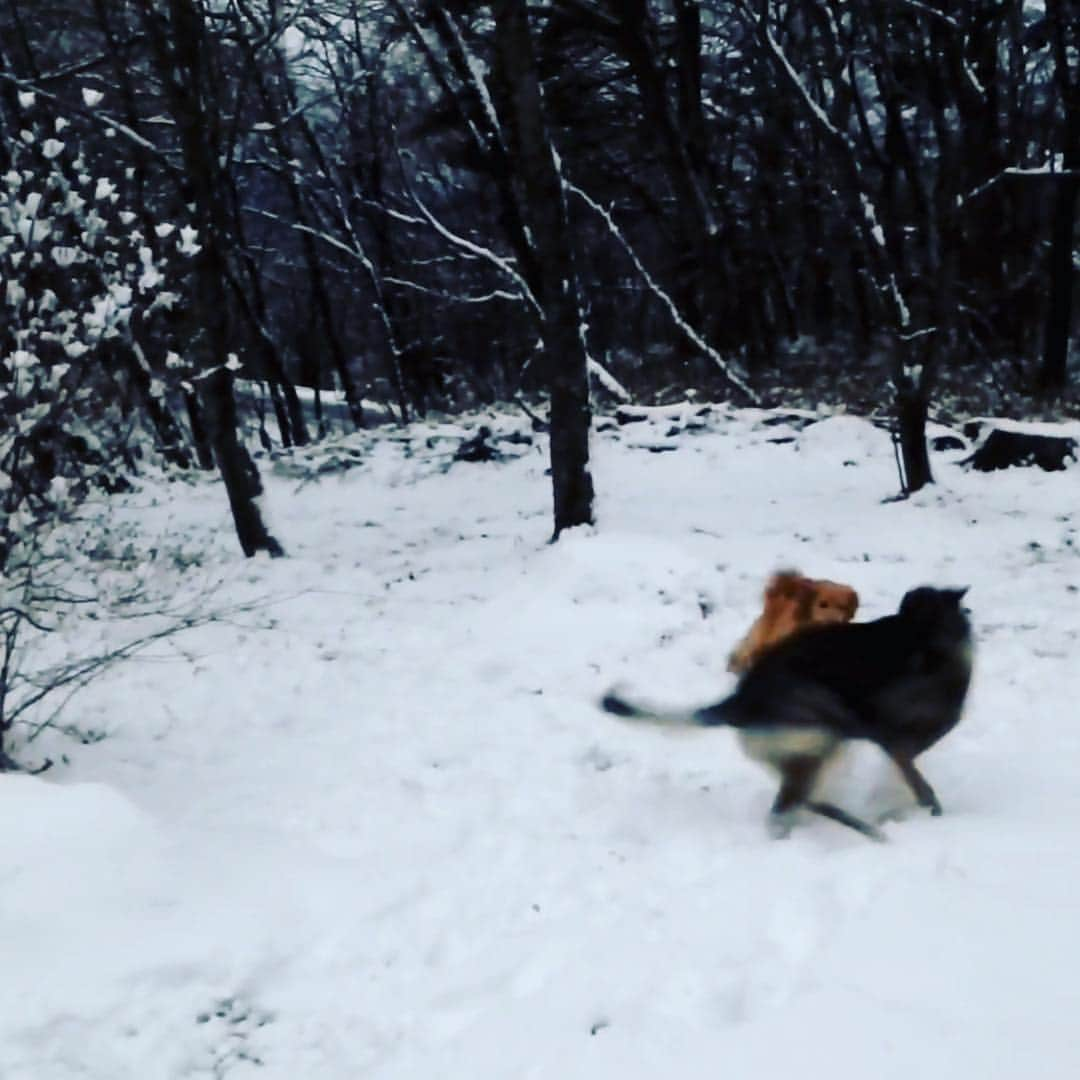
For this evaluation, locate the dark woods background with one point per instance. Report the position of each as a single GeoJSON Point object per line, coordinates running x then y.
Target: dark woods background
{"type": "Point", "coordinates": [860, 201]}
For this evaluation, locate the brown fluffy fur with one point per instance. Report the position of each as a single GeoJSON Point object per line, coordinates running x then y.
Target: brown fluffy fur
{"type": "Point", "coordinates": [792, 603]}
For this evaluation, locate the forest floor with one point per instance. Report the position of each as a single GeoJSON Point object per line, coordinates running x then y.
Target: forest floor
{"type": "Point", "coordinates": [369, 822]}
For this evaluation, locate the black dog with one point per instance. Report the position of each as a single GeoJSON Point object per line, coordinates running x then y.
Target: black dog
{"type": "Point", "coordinates": [899, 682]}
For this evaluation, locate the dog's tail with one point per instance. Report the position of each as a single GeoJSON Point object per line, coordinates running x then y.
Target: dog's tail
{"type": "Point", "coordinates": [709, 716]}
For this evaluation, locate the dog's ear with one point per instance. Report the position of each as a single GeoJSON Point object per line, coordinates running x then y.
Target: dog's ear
{"type": "Point", "coordinates": [782, 579]}
{"type": "Point", "coordinates": [784, 584]}
{"type": "Point", "coordinates": [919, 601]}
{"type": "Point", "coordinates": [804, 592]}
{"type": "Point", "coordinates": [852, 604]}
{"type": "Point", "coordinates": [956, 595]}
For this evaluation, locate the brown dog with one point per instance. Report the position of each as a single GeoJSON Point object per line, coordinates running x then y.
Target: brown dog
{"type": "Point", "coordinates": [792, 603]}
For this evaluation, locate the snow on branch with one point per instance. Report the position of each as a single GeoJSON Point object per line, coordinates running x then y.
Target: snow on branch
{"type": "Point", "coordinates": [398, 215]}
{"type": "Point", "coordinates": [457, 298]}
{"type": "Point", "coordinates": [355, 253]}
{"type": "Point", "coordinates": [876, 235]}
{"type": "Point", "coordinates": [438, 69]}
{"type": "Point", "coordinates": [479, 251]}
{"type": "Point", "coordinates": [608, 381]}
{"type": "Point", "coordinates": [476, 73]}
{"type": "Point", "coordinates": [662, 296]}
{"type": "Point", "coordinates": [870, 227]}
{"type": "Point", "coordinates": [973, 80]}
{"type": "Point", "coordinates": [926, 9]}
{"type": "Point", "coordinates": [816, 110]}
{"type": "Point", "coordinates": [1036, 172]}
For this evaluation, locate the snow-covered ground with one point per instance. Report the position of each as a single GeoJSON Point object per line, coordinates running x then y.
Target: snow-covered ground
{"type": "Point", "coordinates": [375, 826]}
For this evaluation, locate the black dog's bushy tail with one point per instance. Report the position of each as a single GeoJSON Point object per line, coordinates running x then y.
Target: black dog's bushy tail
{"type": "Point", "coordinates": [710, 716]}
{"type": "Point", "coordinates": [618, 706]}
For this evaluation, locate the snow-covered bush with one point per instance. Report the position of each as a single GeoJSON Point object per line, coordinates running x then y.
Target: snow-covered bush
{"type": "Point", "coordinates": [85, 282]}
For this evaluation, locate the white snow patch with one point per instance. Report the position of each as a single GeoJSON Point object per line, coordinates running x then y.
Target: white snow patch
{"type": "Point", "coordinates": [378, 827]}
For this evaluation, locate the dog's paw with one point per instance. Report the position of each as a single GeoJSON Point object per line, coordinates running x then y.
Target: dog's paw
{"type": "Point", "coordinates": [779, 825]}
{"type": "Point", "coordinates": [617, 706]}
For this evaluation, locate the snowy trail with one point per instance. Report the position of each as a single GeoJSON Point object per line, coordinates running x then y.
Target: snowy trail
{"type": "Point", "coordinates": [391, 836]}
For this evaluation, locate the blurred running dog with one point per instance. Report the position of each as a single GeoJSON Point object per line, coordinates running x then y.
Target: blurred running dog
{"type": "Point", "coordinates": [792, 603]}
{"type": "Point", "coordinates": [899, 682]}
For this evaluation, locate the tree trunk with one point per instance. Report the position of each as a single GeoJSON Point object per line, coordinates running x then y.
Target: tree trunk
{"type": "Point", "coordinates": [566, 359]}
{"type": "Point", "coordinates": [281, 414]}
{"type": "Point", "coordinates": [179, 45]}
{"type": "Point", "coordinates": [204, 452]}
{"type": "Point", "coordinates": [1053, 375]}
{"type": "Point", "coordinates": [241, 477]}
{"type": "Point", "coordinates": [168, 431]}
{"type": "Point", "coordinates": [911, 409]}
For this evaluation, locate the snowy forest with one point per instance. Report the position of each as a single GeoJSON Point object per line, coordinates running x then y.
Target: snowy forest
{"type": "Point", "coordinates": [319, 321]}
{"type": "Point", "coordinates": [863, 204]}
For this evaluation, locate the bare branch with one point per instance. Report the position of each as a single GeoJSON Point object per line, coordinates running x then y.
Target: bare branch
{"type": "Point", "coordinates": [608, 381]}
{"type": "Point", "coordinates": [650, 283]}
{"type": "Point", "coordinates": [477, 250]}
{"type": "Point", "coordinates": [457, 298]}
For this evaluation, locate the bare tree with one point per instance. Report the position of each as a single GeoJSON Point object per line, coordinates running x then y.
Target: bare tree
{"type": "Point", "coordinates": [178, 39]}
{"type": "Point", "coordinates": [1063, 30]}
{"type": "Point", "coordinates": [565, 356]}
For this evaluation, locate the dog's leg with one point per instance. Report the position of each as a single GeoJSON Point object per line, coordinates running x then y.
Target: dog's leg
{"type": "Point", "coordinates": [797, 776]}
{"type": "Point", "coordinates": [834, 813]}
{"type": "Point", "coordinates": [922, 790]}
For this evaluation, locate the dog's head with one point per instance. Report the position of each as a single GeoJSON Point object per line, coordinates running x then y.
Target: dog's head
{"type": "Point", "coordinates": [936, 612]}
{"type": "Point", "coordinates": [810, 601]}
{"type": "Point", "coordinates": [832, 602]}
